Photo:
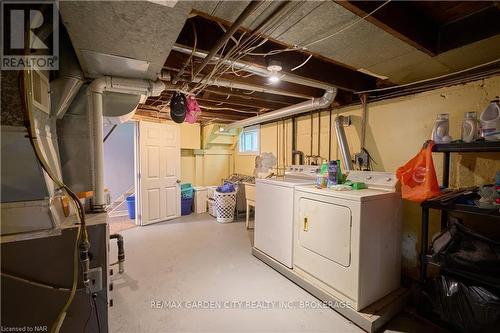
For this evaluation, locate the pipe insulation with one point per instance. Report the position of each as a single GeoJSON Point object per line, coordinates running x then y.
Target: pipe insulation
{"type": "Point", "coordinates": [310, 105]}
{"type": "Point", "coordinates": [342, 142]}
{"type": "Point", "coordinates": [95, 93]}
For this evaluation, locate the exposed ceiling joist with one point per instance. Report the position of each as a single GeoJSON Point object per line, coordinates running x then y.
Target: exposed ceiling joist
{"type": "Point", "coordinates": [471, 28]}
{"type": "Point", "coordinates": [416, 24]}
{"type": "Point", "coordinates": [317, 68]}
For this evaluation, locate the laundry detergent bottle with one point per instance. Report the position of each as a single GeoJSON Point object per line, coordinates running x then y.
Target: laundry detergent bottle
{"type": "Point", "coordinates": [440, 132]}
{"type": "Point", "coordinates": [470, 128]}
{"type": "Point", "coordinates": [490, 122]}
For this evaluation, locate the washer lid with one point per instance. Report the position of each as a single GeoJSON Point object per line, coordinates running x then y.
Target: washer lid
{"type": "Point", "coordinates": [355, 195]}
{"type": "Point", "coordinates": [286, 181]}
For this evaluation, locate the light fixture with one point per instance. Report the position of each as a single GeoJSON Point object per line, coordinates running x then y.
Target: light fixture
{"type": "Point", "coordinates": [274, 68]}
{"type": "Point", "coordinates": [273, 78]}
{"type": "Point", "coordinates": [221, 129]}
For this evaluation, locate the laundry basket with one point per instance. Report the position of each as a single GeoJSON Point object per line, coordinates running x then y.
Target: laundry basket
{"type": "Point", "coordinates": [225, 205]}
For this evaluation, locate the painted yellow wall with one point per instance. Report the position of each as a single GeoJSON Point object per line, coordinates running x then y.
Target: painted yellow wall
{"type": "Point", "coordinates": [190, 136]}
{"type": "Point", "coordinates": [396, 130]}
{"type": "Point", "coordinates": [209, 157]}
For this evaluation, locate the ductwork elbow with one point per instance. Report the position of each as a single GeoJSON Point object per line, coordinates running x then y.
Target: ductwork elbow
{"type": "Point", "coordinates": [327, 97]}
{"type": "Point", "coordinates": [98, 85]}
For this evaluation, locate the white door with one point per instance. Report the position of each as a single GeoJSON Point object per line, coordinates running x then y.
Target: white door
{"type": "Point", "coordinates": [159, 172]}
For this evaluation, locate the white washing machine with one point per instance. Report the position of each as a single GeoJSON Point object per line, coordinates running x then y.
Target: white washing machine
{"type": "Point", "coordinates": [274, 200]}
{"type": "Point", "coordinates": [348, 243]}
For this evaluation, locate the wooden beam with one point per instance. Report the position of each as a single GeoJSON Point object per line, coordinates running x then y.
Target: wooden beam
{"type": "Point", "coordinates": [399, 19]}
{"type": "Point", "coordinates": [469, 29]}
{"type": "Point", "coordinates": [254, 96]}
{"type": "Point", "coordinates": [235, 101]}
{"type": "Point", "coordinates": [318, 68]}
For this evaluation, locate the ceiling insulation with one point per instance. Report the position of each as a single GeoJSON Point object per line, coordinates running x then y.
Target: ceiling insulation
{"type": "Point", "coordinates": [362, 46]}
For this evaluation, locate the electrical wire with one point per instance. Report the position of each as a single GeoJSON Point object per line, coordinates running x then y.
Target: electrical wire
{"type": "Point", "coordinates": [302, 64]}
{"type": "Point", "coordinates": [305, 46]}
{"type": "Point", "coordinates": [347, 26]}
{"type": "Point", "coordinates": [430, 79]}
{"type": "Point", "coordinates": [25, 88]}
{"type": "Point", "coordinates": [94, 297]}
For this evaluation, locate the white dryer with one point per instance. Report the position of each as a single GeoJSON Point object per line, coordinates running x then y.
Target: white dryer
{"type": "Point", "coordinates": [348, 243]}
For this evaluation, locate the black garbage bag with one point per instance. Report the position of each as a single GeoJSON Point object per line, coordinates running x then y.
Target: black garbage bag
{"type": "Point", "coordinates": [466, 307]}
{"type": "Point", "coordinates": [461, 252]}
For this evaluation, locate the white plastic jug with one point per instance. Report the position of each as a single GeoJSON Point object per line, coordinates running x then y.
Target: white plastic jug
{"type": "Point", "coordinates": [490, 122]}
{"type": "Point", "coordinates": [440, 132]}
{"type": "Point", "coordinates": [470, 128]}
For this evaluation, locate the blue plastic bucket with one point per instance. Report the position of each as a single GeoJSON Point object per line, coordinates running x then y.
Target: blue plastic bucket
{"type": "Point", "coordinates": [131, 207]}
{"type": "Point", "coordinates": [186, 205]}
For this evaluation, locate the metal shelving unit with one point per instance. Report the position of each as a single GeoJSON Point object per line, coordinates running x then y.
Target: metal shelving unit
{"type": "Point", "coordinates": [447, 149]}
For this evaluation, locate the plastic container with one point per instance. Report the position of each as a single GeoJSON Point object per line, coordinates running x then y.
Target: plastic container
{"type": "Point", "coordinates": [441, 130]}
{"type": "Point", "coordinates": [332, 173]}
{"type": "Point", "coordinates": [200, 200]}
{"type": "Point", "coordinates": [186, 206]}
{"type": "Point", "coordinates": [186, 191]}
{"type": "Point", "coordinates": [131, 207]}
{"type": "Point", "coordinates": [470, 128]}
{"type": "Point", "coordinates": [490, 122]}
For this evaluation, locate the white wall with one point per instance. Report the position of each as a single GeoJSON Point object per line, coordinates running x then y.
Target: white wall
{"type": "Point", "coordinates": [119, 159]}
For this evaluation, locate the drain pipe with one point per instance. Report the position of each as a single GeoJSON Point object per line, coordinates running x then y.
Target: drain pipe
{"type": "Point", "coordinates": [313, 104]}
{"type": "Point", "coordinates": [121, 252]}
{"type": "Point", "coordinates": [342, 141]}
{"type": "Point", "coordinates": [95, 108]}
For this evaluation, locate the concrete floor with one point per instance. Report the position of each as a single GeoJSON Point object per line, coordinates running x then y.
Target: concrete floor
{"type": "Point", "coordinates": [178, 263]}
{"type": "Point", "coordinates": [120, 223]}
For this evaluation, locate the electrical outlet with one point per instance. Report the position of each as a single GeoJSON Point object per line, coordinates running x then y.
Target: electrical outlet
{"type": "Point", "coordinates": [95, 277]}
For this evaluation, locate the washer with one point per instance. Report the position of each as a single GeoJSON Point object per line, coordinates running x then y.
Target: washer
{"type": "Point", "coordinates": [348, 243]}
{"type": "Point", "coordinates": [274, 200]}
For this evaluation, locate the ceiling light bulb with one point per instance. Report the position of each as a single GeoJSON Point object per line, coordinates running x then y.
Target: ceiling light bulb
{"type": "Point", "coordinates": [273, 78]}
{"type": "Point", "coordinates": [221, 129]}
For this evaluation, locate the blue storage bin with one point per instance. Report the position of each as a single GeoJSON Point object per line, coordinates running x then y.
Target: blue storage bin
{"type": "Point", "coordinates": [131, 207]}
{"type": "Point", "coordinates": [186, 206]}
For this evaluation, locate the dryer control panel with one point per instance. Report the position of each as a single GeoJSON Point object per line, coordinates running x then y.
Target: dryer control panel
{"type": "Point", "coordinates": [386, 181]}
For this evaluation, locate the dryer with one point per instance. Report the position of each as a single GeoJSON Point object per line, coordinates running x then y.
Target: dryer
{"type": "Point", "coordinates": [348, 243]}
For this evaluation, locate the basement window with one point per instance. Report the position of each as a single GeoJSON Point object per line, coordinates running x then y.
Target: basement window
{"type": "Point", "coordinates": [249, 141]}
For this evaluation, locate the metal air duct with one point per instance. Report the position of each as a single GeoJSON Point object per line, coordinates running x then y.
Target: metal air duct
{"type": "Point", "coordinates": [313, 104]}
{"type": "Point", "coordinates": [64, 88]}
{"type": "Point", "coordinates": [342, 141]}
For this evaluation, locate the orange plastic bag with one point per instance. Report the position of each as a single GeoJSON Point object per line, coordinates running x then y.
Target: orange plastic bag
{"type": "Point", "coordinates": [418, 177]}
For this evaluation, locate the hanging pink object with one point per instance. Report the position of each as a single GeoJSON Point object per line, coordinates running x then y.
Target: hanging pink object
{"type": "Point", "coordinates": [192, 110]}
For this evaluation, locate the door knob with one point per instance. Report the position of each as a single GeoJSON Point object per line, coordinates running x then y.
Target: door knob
{"type": "Point", "coordinates": [178, 181]}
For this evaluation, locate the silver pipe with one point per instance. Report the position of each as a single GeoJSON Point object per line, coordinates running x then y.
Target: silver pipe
{"type": "Point", "coordinates": [342, 141]}
{"type": "Point", "coordinates": [254, 69]}
{"type": "Point", "coordinates": [314, 104]}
